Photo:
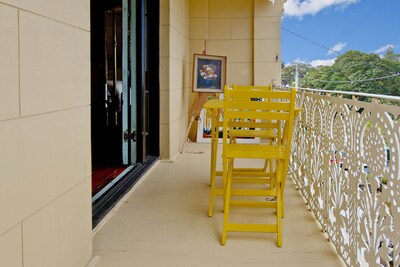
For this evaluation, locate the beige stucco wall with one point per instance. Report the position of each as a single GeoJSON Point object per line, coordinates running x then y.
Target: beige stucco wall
{"type": "Point", "coordinates": [224, 27]}
{"type": "Point", "coordinates": [174, 75]}
{"type": "Point", "coordinates": [246, 31]}
{"type": "Point", "coordinates": [267, 41]}
{"type": "Point", "coordinates": [45, 160]}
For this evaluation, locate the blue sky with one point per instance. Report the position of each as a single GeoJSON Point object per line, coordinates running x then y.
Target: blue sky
{"type": "Point", "coordinates": [341, 25]}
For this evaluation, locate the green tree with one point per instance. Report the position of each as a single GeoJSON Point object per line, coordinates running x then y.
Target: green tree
{"type": "Point", "coordinates": [362, 69]}
{"type": "Point", "coordinates": [317, 77]}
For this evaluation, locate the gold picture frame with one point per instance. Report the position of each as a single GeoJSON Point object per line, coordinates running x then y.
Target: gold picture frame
{"type": "Point", "coordinates": [209, 73]}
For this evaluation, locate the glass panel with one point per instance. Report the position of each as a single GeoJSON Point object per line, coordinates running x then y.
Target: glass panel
{"type": "Point", "coordinates": [125, 82]}
{"type": "Point", "coordinates": [133, 76]}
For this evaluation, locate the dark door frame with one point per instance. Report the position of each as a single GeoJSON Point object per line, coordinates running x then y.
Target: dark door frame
{"type": "Point", "coordinates": [148, 94]}
{"type": "Point", "coordinates": [148, 79]}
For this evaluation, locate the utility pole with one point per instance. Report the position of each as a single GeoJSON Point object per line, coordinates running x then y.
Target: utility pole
{"type": "Point", "coordinates": [296, 78]}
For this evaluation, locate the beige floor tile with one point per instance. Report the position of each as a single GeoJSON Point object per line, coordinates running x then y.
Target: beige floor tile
{"type": "Point", "coordinates": [164, 222]}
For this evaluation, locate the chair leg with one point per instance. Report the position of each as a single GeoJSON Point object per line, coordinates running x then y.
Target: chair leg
{"type": "Point", "coordinates": [272, 173]}
{"type": "Point", "coordinates": [213, 164]}
{"type": "Point", "coordinates": [212, 195]}
{"type": "Point", "coordinates": [227, 197]}
{"type": "Point", "coordinates": [282, 203]}
{"type": "Point", "coordinates": [266, 168]}
{"type": "Point", "coordinates": [266, 163]}
{"type": "Point", "coordinates": [214, 148]}
{"type": "Point", "coordinates": [212, 185]}
{"type": "Point", "coordinates": [279, 208]}
{"type": "Point", "coordinates": [279, 224]}
{"type": "Point", "coordinates": [284, 175]}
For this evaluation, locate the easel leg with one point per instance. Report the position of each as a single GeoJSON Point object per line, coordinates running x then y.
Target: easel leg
{"type": "Point", "coordinates": [201, 99]}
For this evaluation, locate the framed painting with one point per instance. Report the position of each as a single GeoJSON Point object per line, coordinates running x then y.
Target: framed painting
{"type": "Point", "coordinates": [209, 73]}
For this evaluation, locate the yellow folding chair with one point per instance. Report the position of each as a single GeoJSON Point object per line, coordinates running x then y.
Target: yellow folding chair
{"type": "Point", "coordinates": [248, 129]}
{"type": "Point", "coordinates": [271, 106]}
{"type": "Point", "coordinates": [243, 175]}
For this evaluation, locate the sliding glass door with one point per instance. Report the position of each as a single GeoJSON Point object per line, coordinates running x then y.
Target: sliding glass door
{"type": "Point", "coordinates": [124, 94]}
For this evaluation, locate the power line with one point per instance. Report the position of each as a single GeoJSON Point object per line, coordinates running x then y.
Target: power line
{"type": "Point", "coordinates": [360, 81]}
{"type": "Point", "coordinates": [287, 87]}
{"type": "Point", "coordinates": [310, 41]}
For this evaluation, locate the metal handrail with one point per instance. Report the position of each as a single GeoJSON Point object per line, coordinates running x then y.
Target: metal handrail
{"type": "Point", "coordinates": [396, 98]}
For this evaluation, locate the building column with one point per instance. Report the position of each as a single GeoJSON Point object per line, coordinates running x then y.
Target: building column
{"type": "Point", "coordinates": [267, 41]}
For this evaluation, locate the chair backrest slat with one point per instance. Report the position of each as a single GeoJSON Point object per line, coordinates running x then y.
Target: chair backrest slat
{"type": "Point", "coordinates": [249, 107]}
{"type": "Point", "coordinates": [253, 124]}
{"type": "Point", "coordinates": [256, 93]}
{"type": "Point", "coordinates": [254, 115]}
{"type": "Point", "coordinates": [258, 105]}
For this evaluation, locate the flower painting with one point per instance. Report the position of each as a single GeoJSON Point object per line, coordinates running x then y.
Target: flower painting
{"type": "Point", "coordinates": [209, 73]}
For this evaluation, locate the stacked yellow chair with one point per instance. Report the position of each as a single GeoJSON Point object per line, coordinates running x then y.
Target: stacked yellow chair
{"type": "Point", "coordinates": [263, 175]}
{"type": "Point", "coordinates": [271, 110]}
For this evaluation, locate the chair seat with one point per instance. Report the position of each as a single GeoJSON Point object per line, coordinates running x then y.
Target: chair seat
{"type": "Point", "coordinates": [266, 115]}
{"type": "Point", "coordinates": [255, 151]}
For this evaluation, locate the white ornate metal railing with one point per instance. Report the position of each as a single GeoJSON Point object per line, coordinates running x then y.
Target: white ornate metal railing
{"type": "Point", "coordinates": [345, 161]}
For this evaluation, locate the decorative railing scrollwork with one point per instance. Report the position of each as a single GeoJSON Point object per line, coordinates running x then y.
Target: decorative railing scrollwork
{"type": "Point", "coordinates": [345, 161]}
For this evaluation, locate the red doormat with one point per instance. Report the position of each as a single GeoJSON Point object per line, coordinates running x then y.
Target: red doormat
{"type": "Point", "coordinates": [101, 176]}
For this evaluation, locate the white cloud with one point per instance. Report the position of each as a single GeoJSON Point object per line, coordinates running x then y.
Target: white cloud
{"type": "Point", "coordinates": [300, 8]}
{"type": "Point", "coordinates": [383, 49]}
{"type": "Point", "coordinates": [322, 62]}
{"type": "Point", "coordinates": [298, 60]}
{"type": "Point", "coordinates": [337, 47]}
{"type": "Point", "coordinates": [314, 63]}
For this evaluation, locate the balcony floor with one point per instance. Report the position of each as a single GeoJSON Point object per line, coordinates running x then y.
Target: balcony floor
{"type": "Point", "coordinates": [163, 221]}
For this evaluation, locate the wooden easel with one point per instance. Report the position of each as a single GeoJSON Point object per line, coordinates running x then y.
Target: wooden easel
{"type": "Point", "coordinates": [201, 99]}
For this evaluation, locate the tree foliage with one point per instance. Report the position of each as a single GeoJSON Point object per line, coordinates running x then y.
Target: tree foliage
{"type": "Point", "coordinates": [356, 71]}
